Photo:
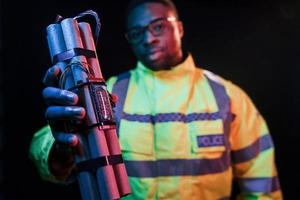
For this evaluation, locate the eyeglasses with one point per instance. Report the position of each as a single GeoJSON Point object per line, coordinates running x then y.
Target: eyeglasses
{"type": "Point", "coordinates": [156, 27]}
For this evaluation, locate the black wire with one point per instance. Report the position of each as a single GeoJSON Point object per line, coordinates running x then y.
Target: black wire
{"type": "Point", "coordinates": [67, 69]}
{"type": "Point", "coordinates": [97, 19]}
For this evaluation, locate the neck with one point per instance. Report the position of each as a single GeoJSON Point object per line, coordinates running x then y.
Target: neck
{"type": "Point", "coordinates": [172, 62]}
{"type": "Point", "coordinates": [179, 59]}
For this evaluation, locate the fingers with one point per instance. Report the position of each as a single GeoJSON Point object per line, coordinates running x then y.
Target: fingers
{"type": "Point", "coordinates": [65, 113]}
{"type": "Point", "coordinates": [51, 75]}
{"type": "Point", "coordinates": [66, 138]}
{"type": "Point", "coordinates": [56, 96]}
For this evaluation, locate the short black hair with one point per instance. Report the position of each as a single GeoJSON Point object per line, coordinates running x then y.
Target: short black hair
{"type": "Point", "coordinates": [168, 3]}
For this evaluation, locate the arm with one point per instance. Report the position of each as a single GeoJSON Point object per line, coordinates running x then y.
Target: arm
{"type": "Point", "coordinates": [54, 161]}
{"type": "Point", "coordinates": [252, 150]}
{"type": "Point", "coordinates": [51, 147]}
{"type": "Point", "coordinates": [52, 152]}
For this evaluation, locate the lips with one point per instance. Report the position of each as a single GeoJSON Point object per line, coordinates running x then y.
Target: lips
{"type": "Point", "coordinates": [154, 54]}
{"type": "Point", "coordinates": [152, 51]}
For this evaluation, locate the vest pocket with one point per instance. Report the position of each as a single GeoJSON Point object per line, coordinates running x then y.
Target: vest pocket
{"type": "Point", "coordinates": [207, 138]}
{"type": "Point", "coordinates": [136, 137]}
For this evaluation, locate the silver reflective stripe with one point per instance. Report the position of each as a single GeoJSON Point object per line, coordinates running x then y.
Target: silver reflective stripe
{"type": "Point", "coordinates": [223, 102]}
{"type": "Point", "coordinates": [177, 167]}
{"type": "Point", "coordinates": [261, 144]}
{"type": "Point", "coordinates": [171, 117]}
{"type": "Point", "coordinates": [120, 89]}
{"type": "Point", "coordinates": [265, 185]}
{"type": "Point", "coordinates": [225, 198]}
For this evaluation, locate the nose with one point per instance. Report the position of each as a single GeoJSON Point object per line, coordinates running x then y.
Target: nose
{"type": "Point", "coordinates": [149, 38]}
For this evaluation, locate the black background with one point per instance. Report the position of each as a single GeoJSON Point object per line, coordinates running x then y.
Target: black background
{"type": "Point", "coordinates": [253, 44]}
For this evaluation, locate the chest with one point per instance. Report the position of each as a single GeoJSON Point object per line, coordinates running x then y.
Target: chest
{"type": "Point", "coordinates": [171, 120]}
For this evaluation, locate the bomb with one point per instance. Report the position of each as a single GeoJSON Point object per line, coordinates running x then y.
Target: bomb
{"type": "Point", "coordinates": [101, 172]}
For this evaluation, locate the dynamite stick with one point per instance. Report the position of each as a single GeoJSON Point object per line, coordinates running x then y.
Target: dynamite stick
{"type": "Point", "coordinates": [87, 183]}
{"type": "Point", "coordinates": [110, 131]}
{"type": "Point", "coordinates": [101, 171]}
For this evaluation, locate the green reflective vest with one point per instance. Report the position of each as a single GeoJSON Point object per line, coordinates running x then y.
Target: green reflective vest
{"type": "Point", "coordinates": [185, 133]}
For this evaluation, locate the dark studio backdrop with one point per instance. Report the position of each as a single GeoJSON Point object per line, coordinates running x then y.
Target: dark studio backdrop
{"type": "Point", "coordinates": [254, 44]}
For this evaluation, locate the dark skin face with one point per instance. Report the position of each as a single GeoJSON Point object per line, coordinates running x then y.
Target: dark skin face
{"type": "Point", "coordinates": [156, 52]}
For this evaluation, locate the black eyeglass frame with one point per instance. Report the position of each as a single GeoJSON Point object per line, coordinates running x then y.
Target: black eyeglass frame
{"type": "Point", "coordinates": [141, 29]}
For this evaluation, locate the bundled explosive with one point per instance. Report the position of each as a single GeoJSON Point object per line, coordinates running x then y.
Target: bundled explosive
{"type": "Point", "coordinates": [101, 170]}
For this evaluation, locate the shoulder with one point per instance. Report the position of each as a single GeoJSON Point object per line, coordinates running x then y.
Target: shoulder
{"type": "Point", "coordinates": [240, 102]}
{"type": "Point", "coordinates": [112, 81]}
{"type": "Point", "coordinates": [233, 90]}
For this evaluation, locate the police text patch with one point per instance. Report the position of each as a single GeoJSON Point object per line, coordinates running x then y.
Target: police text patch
{"type": "Point", "coordinates": [210, 140]}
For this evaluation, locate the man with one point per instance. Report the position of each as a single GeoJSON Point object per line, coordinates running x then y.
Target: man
{"type": "Point", "coordinates": [185, 133]}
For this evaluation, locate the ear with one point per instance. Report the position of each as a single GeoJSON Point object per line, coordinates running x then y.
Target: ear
{"type": "Point", "coordinates": [126, 36]}
{"type": "Point", "coordinates": [180, 28]}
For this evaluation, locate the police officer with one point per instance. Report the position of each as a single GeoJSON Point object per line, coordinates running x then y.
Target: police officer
{"type": "Point", "coordinates": [185, 132]}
